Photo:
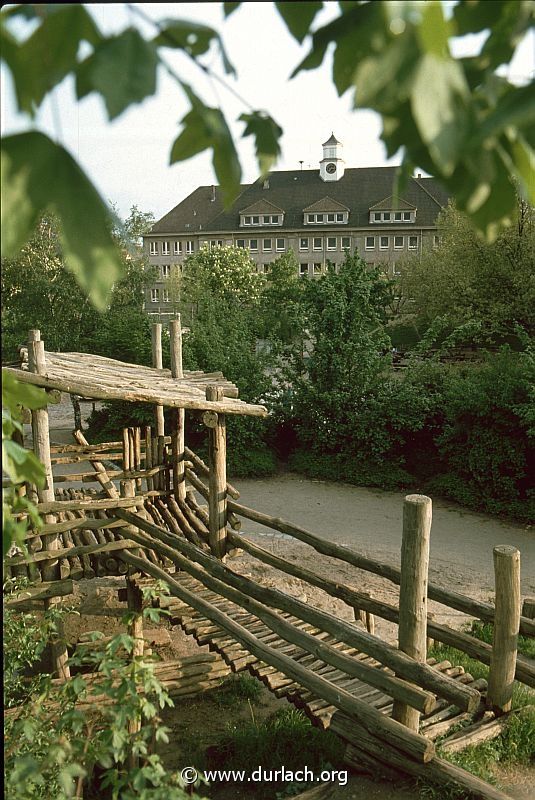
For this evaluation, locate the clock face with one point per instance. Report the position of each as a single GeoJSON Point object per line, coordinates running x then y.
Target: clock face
{"type": "Point", "coordinates": [331, 168]}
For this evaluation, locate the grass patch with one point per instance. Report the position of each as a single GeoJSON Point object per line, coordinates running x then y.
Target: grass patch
{"type": "Point", "coordinates": [237, 688]}
{"type": "Point", "coordinates": [288, 739]}
{"type": "Point", "coordinates": [514, 746]}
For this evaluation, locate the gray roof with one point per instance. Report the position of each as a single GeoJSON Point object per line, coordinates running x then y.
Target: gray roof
{"type": "Point", "coordinates": [294, 190]}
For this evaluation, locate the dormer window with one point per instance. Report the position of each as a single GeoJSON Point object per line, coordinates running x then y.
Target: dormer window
{"type": "Point", "coordinates": [326, 219]}
{"type": "Point", "coordinates": [392, 216]}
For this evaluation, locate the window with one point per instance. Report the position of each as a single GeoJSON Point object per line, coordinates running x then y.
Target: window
{"type": "Point", "coordinates": [247, 220]}
{"type": "Point", "coordinates": [345, 242]}
{"type": "Point", "coordinates": [154, 295]}
{"type": "Point", "coordinates": [165, 295]}
{"type": "Point", "coordinates": [330, 217]}
{"type": "Point", "coordinates": [154, 248]}
{"type": "Point", "coordinates": [407, 216]}
{"type": "Point", "coordinates": [311, 217]}
{"type": "Point", "coordinates": [166, 249]}
{"type": "Point", "coordinates": [383, 242]}
{"type": "Point", "coordinates": [261, 268]}
{"type": "Point", "coordinates": [331, 243]}
{"type": "Point", "coordinates": [303, 269]}
{"type": "Point", "coordinates": [177, 248]}
{"type": "Point", "coordinates": [397, 216]}
{"type": "Point", "coordinates": [240, 242]}
{"type": "Point", "coordinates": [253, 244]}
{"type": "Point", "coordinates": [413, 242]}
{"type": "Point", "coordinates": [190, 246]}
{"type": "Point", "coordinates": [319, 217]}
{"type": "Point", "coordinates": [281, 244]}
{"type": "Point", "coordinates": [386, 216]}
{"type": "Point", "coordinates": [303, 243]}
{"type": "Point", "coordinates": [266, 244]}
{"type": "Point", "coordinates": [216, 243]}
{"type": "Point", "coordinates": [398, 242]}
{"type": "Point", "coordinates": [255, 220]}
{"type": "Point", "coordinates": [370, 242]}
{"type": "Point", "coordinates": [317, 269]}
{"type": "Point", "coordinates": [166, 271]}
{"type": "Point", "coordinates": [377, 216]}
{"type": "Point", "coordinates": [317, 243]}
{"type": "Point", "coordinates": [436, 241]}
{"type": "Point", "coordinates": [276, 220]}
{"type": "Point", "coordinates": [340, 218]}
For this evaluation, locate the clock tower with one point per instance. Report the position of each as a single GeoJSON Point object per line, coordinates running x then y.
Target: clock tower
{"type": "Point", "coordinates": [332, 164]}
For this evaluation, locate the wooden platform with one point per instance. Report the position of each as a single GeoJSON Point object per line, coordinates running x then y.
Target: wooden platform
{"type": "Point", "coordinates": [437, 723]}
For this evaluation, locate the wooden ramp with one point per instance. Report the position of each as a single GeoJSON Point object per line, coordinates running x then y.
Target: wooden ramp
{"type": "Point", "coordinates": [438, 722]}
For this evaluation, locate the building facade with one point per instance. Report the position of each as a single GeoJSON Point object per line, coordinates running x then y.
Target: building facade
{"type": "Point", "coordinates": [319, 214]}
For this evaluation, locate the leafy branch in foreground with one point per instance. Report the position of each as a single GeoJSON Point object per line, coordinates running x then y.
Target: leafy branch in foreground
{"type": "Point", "coordinates": [79, 738]}
{"type": "Point", "coordinates": [453, 117]}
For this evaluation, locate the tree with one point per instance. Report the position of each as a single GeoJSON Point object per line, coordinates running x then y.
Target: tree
{"type": "Point", "coordinates": [282, 302]}
{"type": "Point", "coordinates": [38, 292]}
{"type": "Point", "coordinates": [345, 315]}
{"type": "Point", "coordinates": [454, 117]}
{"type": "Point", "coordinates": [465, 279]}
{"type": "Point", "coordinates": [221, 293]}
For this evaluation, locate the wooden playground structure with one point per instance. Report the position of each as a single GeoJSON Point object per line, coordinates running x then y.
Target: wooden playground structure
{"type": "Point", "coordinates": [162, 513]}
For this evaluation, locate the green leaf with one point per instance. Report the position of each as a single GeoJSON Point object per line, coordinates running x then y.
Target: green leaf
{"type": "Point", "coordinates": [476, 16]}
{"type": "Point", "coordinates": [50, 53]}
{"type": "Point", "coordinates": [122, 69]}
{"type": "Point", "coordinates": [21, 465]}
{"type": "Point", "coordinates": [192, 37]}
{"type": "Point", "coordinates": [434, 31]}
{"type": "Point", "coordinates": [438, 96]}
{"type": "Point", "coordinates": [15, 393]}
{"type": "Point", "coordinates": [230, 8]}
{"type": "Point", "coordinates": [267, 134]}
{"type": "Point", "coordinates": [37, 175]}
{"type": "Point", "coordinates": [298, 17]}
{"type": "Point", "coordinates": [516, 107]}
{"type": "Point", "coordinates": [205, 128]}
{"type": "Point", "coordinates": [524, 166]}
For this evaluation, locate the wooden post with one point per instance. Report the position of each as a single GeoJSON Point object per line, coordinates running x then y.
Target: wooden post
{"type": "Point", "coordinates": [148, 456]}
{"type": "Point", "coordinates": [417, 515]}
{"type": "Point", "coordinates": [157, 363]}
{"type": "Point", "coordinates": [528, 608]}
{"type": "Point", "coordinates": [217, 480]}
{"type": "Point", "coordinates": [506, 625]}
{"type": "Point", "coordinates": [178, 415]}
{"type": "Point", "coordinates": [41, 447]}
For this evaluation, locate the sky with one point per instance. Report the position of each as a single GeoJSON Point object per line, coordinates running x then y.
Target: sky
{"type": "Point", "coordinates": [128, 159]}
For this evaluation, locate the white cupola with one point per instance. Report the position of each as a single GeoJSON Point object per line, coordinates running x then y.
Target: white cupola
{"type": "Point", "coordinates": [332, 164]}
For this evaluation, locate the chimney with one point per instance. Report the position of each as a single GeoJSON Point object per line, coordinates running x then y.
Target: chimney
{"type": "Point", "coordinates": [213, 195]}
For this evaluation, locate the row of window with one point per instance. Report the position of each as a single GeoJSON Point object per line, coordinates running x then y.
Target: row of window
{"type": "Point", "coordinates": [265, 219]}
{"type": "Point", "coordinates": [318, 243]}
{"type": "Point", "coordinates": [392, 216]}
{"type": "Point", "coordinates": [166, 248]}
{"type": "Point", "coordinates": [330, 243]}
{"type": "Point", "coordinates": [322, 219]}
{"type": "Point", "coordinates": [385, 242]}
{"type": "Point", "coordinates": [155, 295]}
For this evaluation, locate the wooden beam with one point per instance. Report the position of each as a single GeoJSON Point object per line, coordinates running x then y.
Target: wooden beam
{"type": "Point", "coordinates": [412, 631]}
{"type": "Point", "coordinates": [217, 499]}
{"type": "Point", "coordinates": [421, 748]}
{"type": "Point", "coordinates": [405, 666]}
{"type": "Point", "coordinates": [506, 625]}
{"type": "Point", "coordinates": [474, 608]}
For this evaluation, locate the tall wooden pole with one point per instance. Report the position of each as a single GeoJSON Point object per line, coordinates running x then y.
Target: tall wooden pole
{"type": "Point", "coordinates": [157, 363]}
{"type": "Point", "coordinates": [217, 480]}
{"type": "Point", "coordinates": [417, 515]}
{"type": "Point", "coordinates": [506, 625]}
{"type": "Point", "coordinates": [41, 447]}
{"type": "Point", "coordinates": [178, 415]}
